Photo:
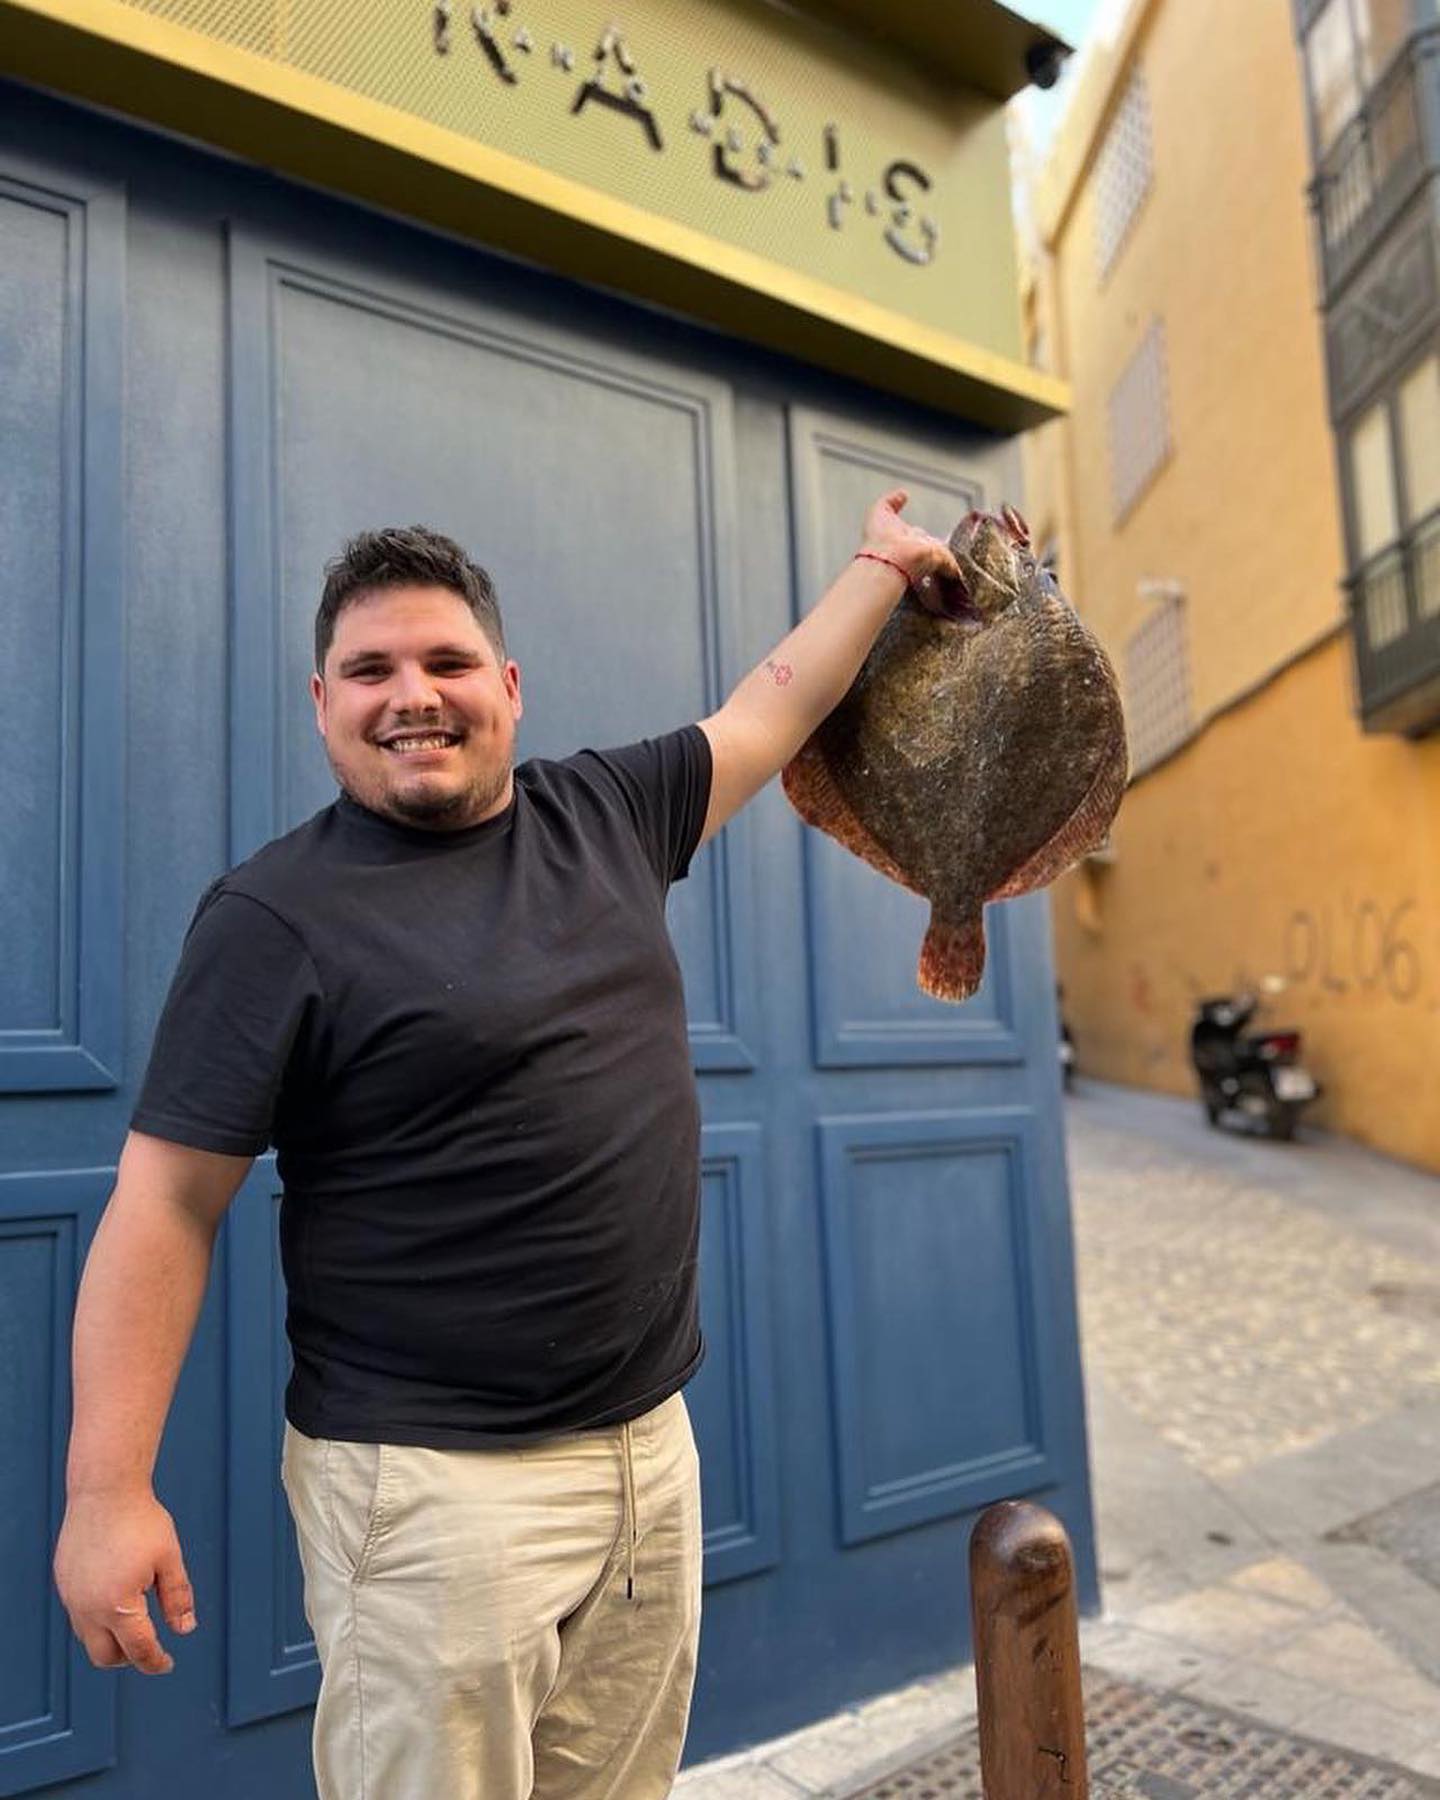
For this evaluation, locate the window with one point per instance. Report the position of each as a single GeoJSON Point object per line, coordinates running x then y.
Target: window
{"type": "Point", "coordinates": [1420, 449]}
{"type": "Point", "coordinates": [1381, 592]}
{"type": "Point", "coordinates": [1373, 477]}
{"type": "Point", "coordinates": [1420, 438]}
{"type": "Point", "coordinates": [1347, 50]}
{"type": "Point", "coordinates": [1157, 684]}
{"type": "Point", "coordinates": [1139, 421]}
{"type": "Point", "coordinates": [1334, 70]}
{"type": "Point", "coordinates": [1122, 172]}
{"type": "Point", "coordinates": [1390, 471]}
{"type": "Point", "coordinates": [1382, 27]}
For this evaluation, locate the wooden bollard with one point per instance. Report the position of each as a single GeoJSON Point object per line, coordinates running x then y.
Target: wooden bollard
{"type": "Point", "coordinates": [1027, 1656]}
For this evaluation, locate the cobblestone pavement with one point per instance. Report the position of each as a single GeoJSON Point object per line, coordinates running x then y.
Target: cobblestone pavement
{"type": "Point", "coordinates": [1261, 1340]}
{"type": "Point", "coordinates": [1237, 1323]}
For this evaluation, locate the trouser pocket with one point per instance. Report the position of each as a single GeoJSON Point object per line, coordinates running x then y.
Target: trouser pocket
{"type": "Point", "coordinates": [338, 1493]}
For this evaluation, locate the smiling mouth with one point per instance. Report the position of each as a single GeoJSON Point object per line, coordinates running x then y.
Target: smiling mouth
{"type": "Point", "coordinates": [417, 743]}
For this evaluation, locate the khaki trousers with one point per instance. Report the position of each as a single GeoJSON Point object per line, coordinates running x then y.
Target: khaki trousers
{"type": "Point", "coordinates": [502, 1624]}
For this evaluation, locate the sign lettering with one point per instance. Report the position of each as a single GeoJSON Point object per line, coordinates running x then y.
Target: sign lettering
{"type": "Point", "coordinates": [747, 148]}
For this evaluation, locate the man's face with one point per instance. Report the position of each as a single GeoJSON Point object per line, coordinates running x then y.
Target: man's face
{"type": "Point", "coordinates": [417, 710]}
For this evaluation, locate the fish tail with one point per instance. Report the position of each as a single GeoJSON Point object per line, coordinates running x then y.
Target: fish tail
{"type": "Point", "coordinates": [952, 958]}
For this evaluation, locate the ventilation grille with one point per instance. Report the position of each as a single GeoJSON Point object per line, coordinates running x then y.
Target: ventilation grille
{"type": "Point", "coordinates": [1139, 419]}
{"type": "Point", "coordinates": [1157, 686]}
{"type": "Point", "coordinates": [1123, 172]}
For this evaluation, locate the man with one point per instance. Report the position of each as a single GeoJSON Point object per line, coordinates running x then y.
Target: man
{"type": "Point", "coordinates": [450, 1002]}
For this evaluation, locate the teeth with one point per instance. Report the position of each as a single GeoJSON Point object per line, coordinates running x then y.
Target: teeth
{"type": "Point", "coordinates": [437, 741]}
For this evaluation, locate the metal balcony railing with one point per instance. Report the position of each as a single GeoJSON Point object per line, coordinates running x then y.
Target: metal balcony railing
{"type": "Point", "coordinates": [1373, 166]}
{"type": "Point", "coordinates": [1395, 615]}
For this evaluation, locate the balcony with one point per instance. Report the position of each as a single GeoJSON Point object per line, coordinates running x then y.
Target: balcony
{"type": "Point", "coordinates": [1395, 617]}
{"type": "Point", "coordinates": [1372, 168]}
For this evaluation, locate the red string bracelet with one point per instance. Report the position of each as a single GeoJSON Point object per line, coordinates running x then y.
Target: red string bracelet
{"type": "Point", "coordinates": [872, 556]}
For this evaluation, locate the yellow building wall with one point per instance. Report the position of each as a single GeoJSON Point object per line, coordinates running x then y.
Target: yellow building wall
{"type": "Point", "coordinates": [1281, 842]}
{"type": "Point", "coordinates": [1245, 514]}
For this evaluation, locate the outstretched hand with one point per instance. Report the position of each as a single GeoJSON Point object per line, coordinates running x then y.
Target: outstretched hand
{"type": "Point", "coordinates": [919, 554]}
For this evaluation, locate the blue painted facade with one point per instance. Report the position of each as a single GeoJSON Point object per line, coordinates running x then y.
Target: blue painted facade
{"type": "Point", "coordinates": [211, 378]}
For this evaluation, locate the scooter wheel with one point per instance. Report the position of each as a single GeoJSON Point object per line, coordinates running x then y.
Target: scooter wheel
{"type": "Point", "coordinates": [1213, 1110]}
{"type": "Point", "coordinates": [1282, 1122]}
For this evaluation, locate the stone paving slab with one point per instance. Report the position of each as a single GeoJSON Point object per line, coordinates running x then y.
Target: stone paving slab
{"type": "Point", "coordinates": [1408, 1528]}
{"type": "Point", "coordinates": [833, 1755]}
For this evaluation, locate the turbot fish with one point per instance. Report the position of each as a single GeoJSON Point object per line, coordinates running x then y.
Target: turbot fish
{"type": "Point", "coordinates": [976, 756]}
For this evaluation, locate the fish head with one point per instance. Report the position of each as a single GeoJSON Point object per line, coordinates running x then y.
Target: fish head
{"type": "Point", "coordinates": [997, 563]}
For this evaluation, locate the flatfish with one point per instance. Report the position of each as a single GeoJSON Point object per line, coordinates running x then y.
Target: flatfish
{"type": "Point", "coordinates": [975, 756]}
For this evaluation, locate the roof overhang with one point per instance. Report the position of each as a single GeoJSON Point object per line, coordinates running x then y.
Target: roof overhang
{"type": "Point", "coordinates": [979, 43]}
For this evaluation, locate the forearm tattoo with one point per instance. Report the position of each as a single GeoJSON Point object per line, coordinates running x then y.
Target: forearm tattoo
{"type": "Point", "coordinates": [779, 672]}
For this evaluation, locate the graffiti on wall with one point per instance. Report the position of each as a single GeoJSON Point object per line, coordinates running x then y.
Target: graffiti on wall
{"type": "Point", "coordinates": [1363, 948]}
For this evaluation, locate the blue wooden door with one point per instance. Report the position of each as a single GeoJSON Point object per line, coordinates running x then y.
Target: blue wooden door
{"type": "Point", "coordinates": [209, 381]}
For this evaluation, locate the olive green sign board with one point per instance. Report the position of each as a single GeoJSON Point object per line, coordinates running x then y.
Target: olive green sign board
{"type": "Point", "coordinates": [834, 195]}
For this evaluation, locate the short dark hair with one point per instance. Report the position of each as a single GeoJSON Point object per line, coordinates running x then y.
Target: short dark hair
{"type": "Point", "coordinates": [404, 556]}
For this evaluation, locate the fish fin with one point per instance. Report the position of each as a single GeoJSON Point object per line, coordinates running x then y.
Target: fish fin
{"type": "Point", "coordinates": [1083, 831]}
{"type": "Point", "coordinates": [814, 793]}
{"type": "Point", "coordinates": [952, 958]}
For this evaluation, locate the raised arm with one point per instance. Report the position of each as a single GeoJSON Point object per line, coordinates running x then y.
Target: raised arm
{"type": "Point", "coordinates": [781, 701]}
{"type": "Point", "coordinates": [139, 1299]}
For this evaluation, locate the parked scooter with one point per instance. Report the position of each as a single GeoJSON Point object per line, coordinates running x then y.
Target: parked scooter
{"type": "Point", "coordinates": [1259, 1075]}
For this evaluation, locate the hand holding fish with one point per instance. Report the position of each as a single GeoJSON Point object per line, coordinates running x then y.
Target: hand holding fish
{"type": "Point", "coordinates": [925, 560]}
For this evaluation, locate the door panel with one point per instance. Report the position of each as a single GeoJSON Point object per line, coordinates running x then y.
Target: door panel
{"type": "Point", "coordinates": [732, 1399]}
{"type": "Point", "coordinates": [936, 1375]}
{"type": "Point", "coordinates": [61, 307]}
{"type": "Point", "coordinates": [271, 1666]}
{"type": "Point", "coordinates": [57, 1714]}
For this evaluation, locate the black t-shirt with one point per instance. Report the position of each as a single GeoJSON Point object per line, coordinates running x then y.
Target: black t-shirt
{"type": "Point", "coordinates": [469, 1050]}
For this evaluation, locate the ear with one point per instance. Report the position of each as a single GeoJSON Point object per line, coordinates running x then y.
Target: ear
{"type": "Point", "coordinates": [317, 694]}
{"type": "Point", "coordinates": [511, 675]}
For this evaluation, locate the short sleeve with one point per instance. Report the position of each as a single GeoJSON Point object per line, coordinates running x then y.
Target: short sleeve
{"type": "Point", "coordinates": [242, 993]}
{"type": "Point", "coordinates": [664, 784]}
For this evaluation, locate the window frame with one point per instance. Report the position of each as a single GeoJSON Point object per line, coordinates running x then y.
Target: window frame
{"type": "Point", "coordinates": [1370, 65]}
{"type": "Point", "coordinates": [1321, 147]}
{"type": "Point", "coordinates": [1387, 397]}
{"type": "Point", "coordinates": [1414, 535]}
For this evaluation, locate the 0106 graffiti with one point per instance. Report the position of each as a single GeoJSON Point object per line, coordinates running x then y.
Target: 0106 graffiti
{"type": "Point", "coordinates": [1364, 947]}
